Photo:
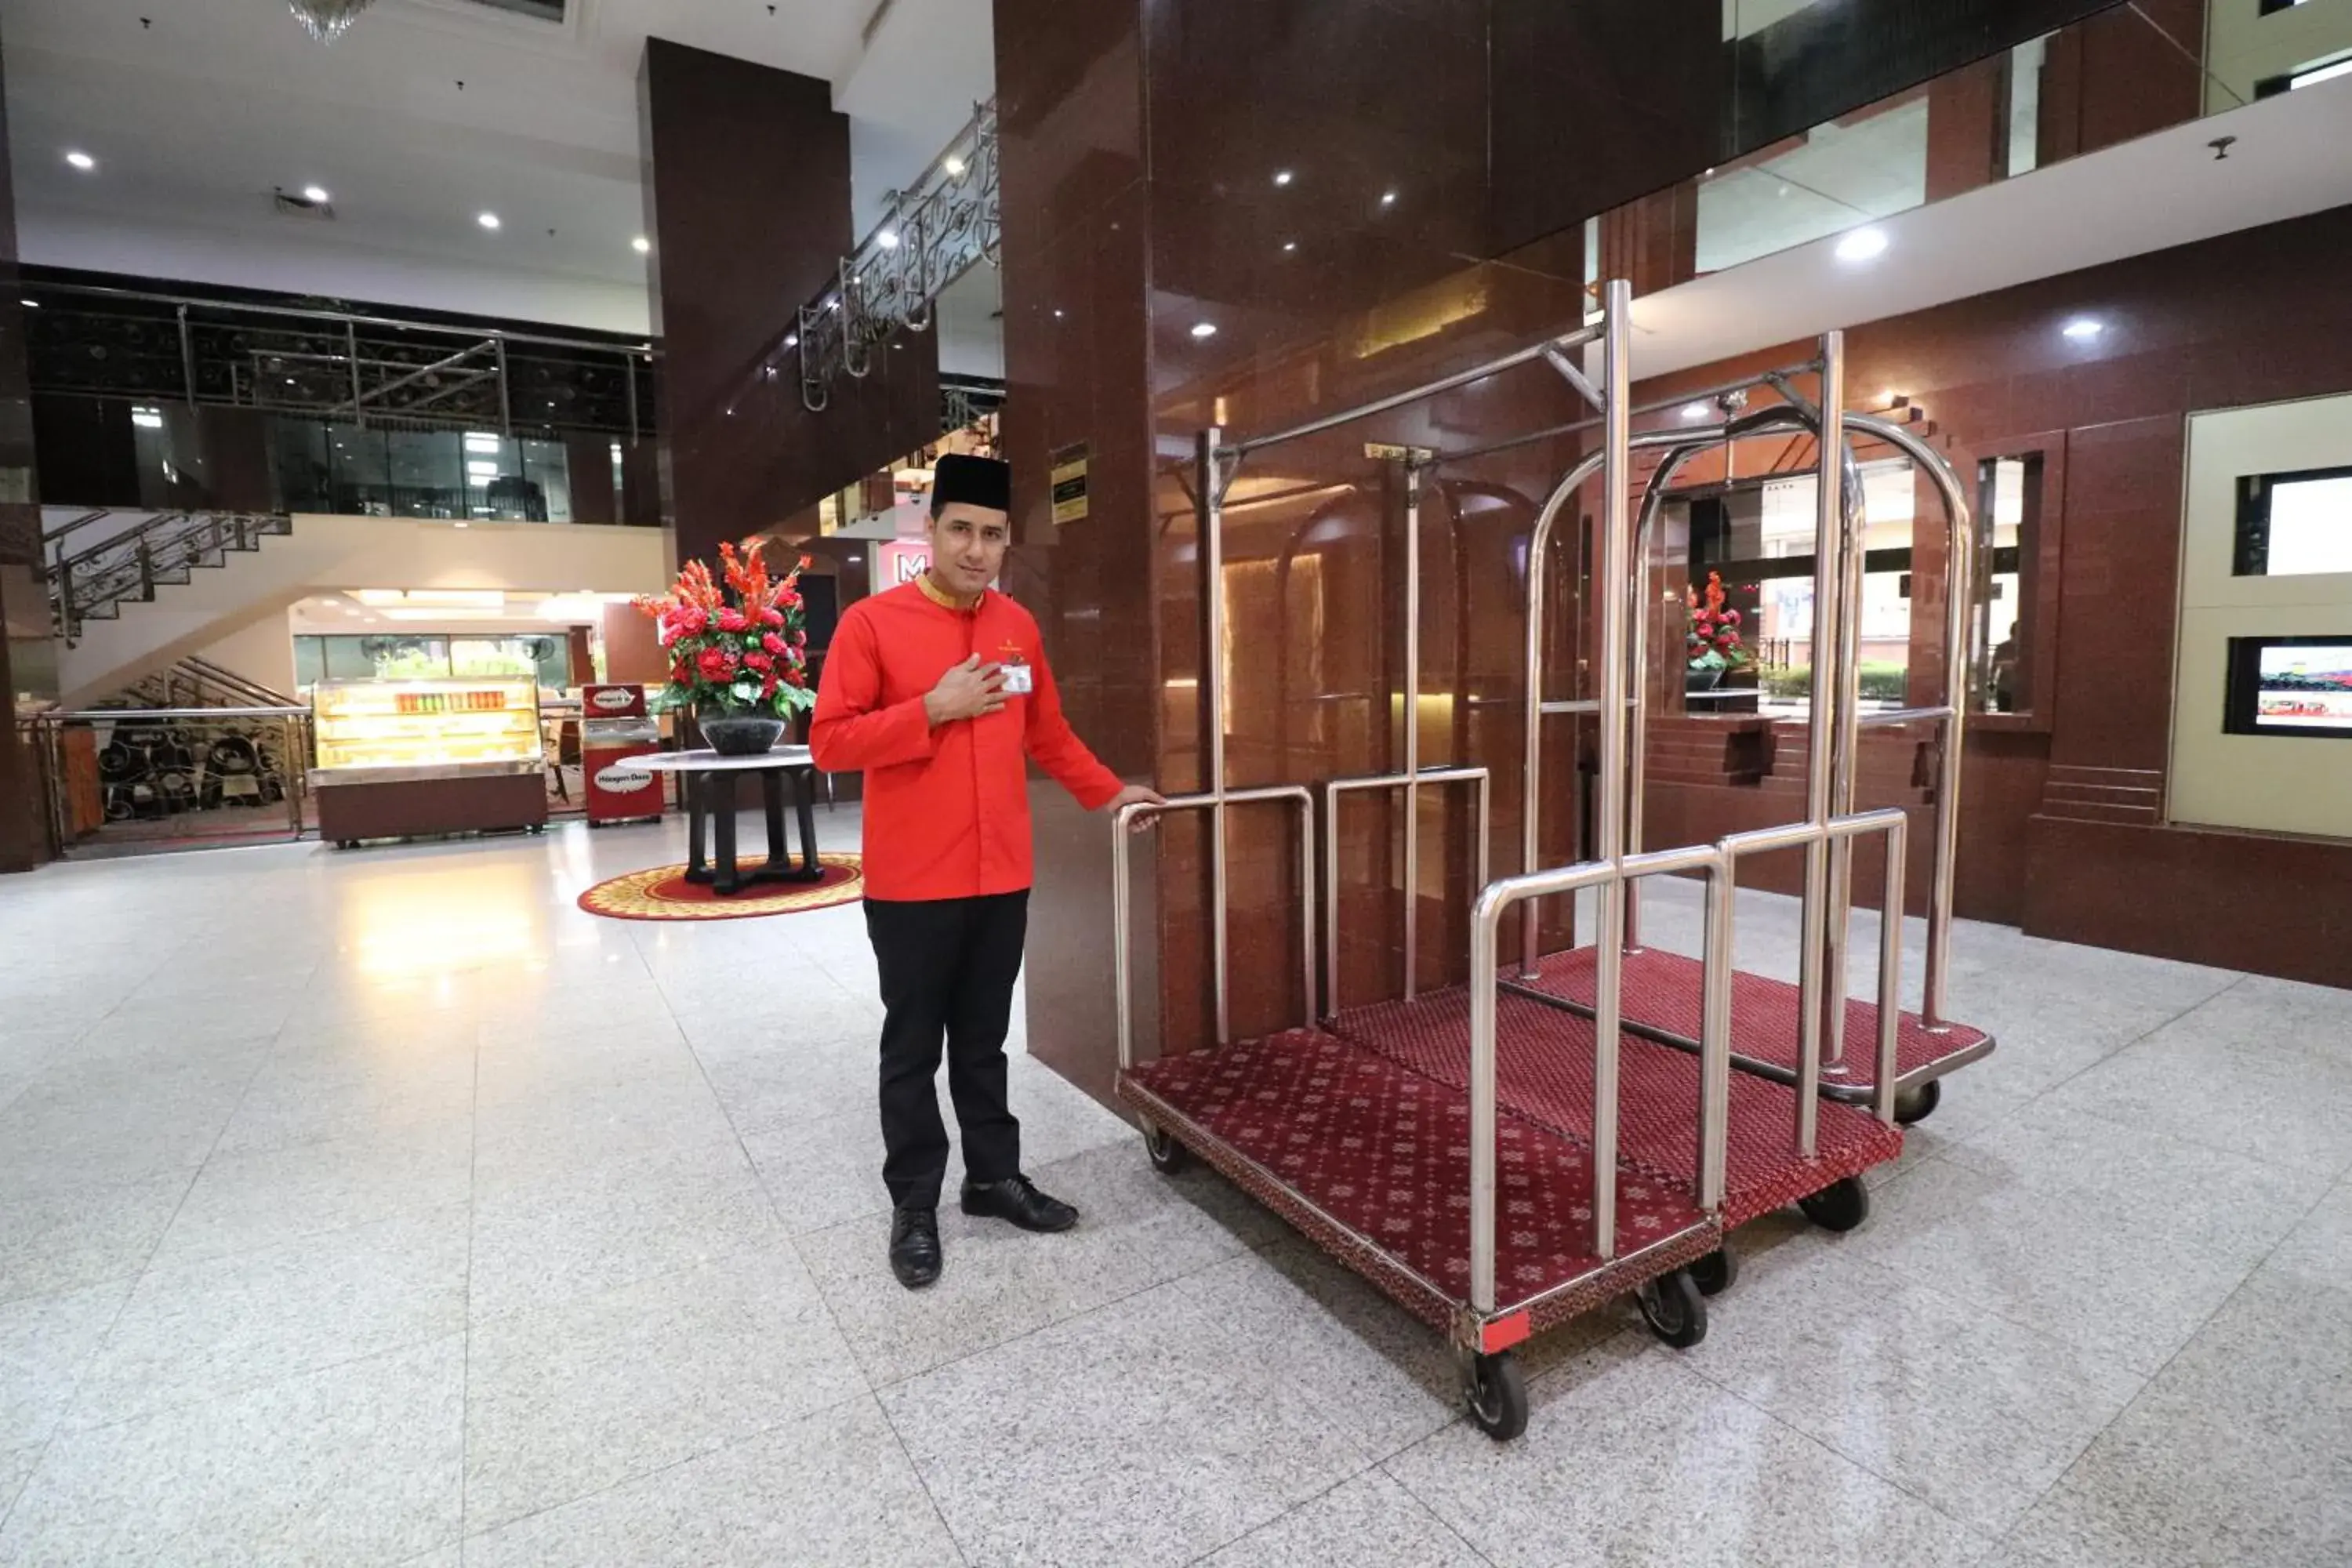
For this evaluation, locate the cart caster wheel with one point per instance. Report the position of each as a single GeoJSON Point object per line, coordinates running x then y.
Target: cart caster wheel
{"type": "Point", "coordinates": [1168, 1156]}
{"type": "Point", "coordinates": [1717, 1272]}
{"type": "Point", "coordinates": [1840, 1206]}
{"type": "Point", "coordinates": [1673, 1308]}
{"type": "Point", "coordinates": [1496, 1391]}
{"type": "Point", "coordinates": [347, 843]}
{"type": "Point", "coordinates": [1915, 1105]}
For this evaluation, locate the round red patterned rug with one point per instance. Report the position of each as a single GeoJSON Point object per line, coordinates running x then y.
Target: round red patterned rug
{"type": "Point", "coordinates": [663, 893]}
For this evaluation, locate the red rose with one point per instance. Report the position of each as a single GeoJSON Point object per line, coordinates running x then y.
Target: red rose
{"type": "Point", "coordinates": [772, 643]}
{"type": "Point", "coordinates": [1731, 615]}
{"type": "Point", "coordinates": [794, 678]}
{"type": "Point", "coordinates": [731, 621]}
{"type": "Point", "coordinates": [790, 598]}
{"type": "Point", "coordinates": [759, 662]}
{"type": "Point", "coordinates": [692, 620]}
{"type": "Point", "coordinates": [771, 616]}
{"type": "Point", "coordinates": [800, 640]}
{"type": "Point", "coordinates": [716, 663]}
{"type": "Point", "coordinates": [767, 687]}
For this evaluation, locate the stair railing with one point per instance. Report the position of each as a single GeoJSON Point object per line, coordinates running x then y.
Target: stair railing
{"type": "Point", "coordinates": [93, 583]}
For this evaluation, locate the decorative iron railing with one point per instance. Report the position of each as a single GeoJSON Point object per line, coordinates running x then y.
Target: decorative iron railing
{"type": "Point", "coordinates": [935, 231]}
{"type": "Point", "coordinates": [93, 582]}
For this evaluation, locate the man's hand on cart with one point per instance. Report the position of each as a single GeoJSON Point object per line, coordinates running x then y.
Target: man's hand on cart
{"type": "Point", "coordinates": [1136, 794]}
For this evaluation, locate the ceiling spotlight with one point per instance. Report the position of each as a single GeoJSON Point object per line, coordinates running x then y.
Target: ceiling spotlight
{"type": "Point", "coordinates": [1289, 245]}
{"type": "Point", "coordinates": [81, 161]}
{"type": "Point", "coordinates": [954, 166]}
{"type": "Point", "coordinates": [1388, 198]}
{"type": "Point", "coordinates": [30, 304]}
{"type": "Point", "coordinates": [2083, 329]}
{"type": "Point", "coordinates": [316, 194]}
{"type": "Point", "coordinates": [792, 340]}
{"type": "Point", "coordinates": [888, 239]}
{"type": "Point", "coordinates": [1204, 328]}
{"type": "Point", "coordinates": [641, 244]}
{"type": "Point", "coordinates": [1282, 176]}
{"type": "Point", "coordinates": [488, 220]}
{"type": "Point", "coordinates": [1695, 411]}
{"type": "Point", "coordinates": [1861, 244]}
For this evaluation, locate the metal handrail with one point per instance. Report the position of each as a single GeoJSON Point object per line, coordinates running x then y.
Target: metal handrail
{"type": "Point", "coordinates": [1122, 894]}
{"type": "Point", "coordinates": [1332, 790]}
{"type": "Point", "coordinates": [155, 715]}
{"type": "Point", "coordinates": [338, 318]}
{"type": "Point", "coordinates": [125, 566]}
{"type": "Point", "coordinates": [48, 729]}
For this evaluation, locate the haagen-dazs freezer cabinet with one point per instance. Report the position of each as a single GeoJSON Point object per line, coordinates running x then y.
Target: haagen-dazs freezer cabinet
{"type": "Point", "coordinates": [613, 727]}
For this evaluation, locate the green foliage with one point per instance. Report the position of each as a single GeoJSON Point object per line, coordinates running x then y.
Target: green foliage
{"type": "Point", "coordinates": [1880, 682]}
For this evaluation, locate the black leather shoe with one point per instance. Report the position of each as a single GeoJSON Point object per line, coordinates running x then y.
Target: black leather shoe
{"type": "Point", "coordinates": [915, 1246]}
{"type": "Point", "coordinates": [1018, 1200]}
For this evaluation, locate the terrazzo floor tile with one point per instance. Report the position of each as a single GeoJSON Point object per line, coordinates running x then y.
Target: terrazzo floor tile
{"type": "Point", "coordinates": [319, 1095]}
{"type": "Point", "coordinates": [2229, 1204]}
{"type": "Point", "coordinates": [85, 1124]}
{"type": "Point", "coordinates": [565, 1402]}
{"type": "Point", "coordinates": [1138, 1229]}
{"type": "Point", "coordinates": [1368, 1523]}
{"type": "Point", "coordinates": [46, 1343]}
{"type": "Point", "coordinates": [358, 1464]}
{"type": "Point", "coordinates": [2215, 1086]}
{"type": "Point", "coordinates": [564, 1131]}
{"type": "Point", "coordinates": [830, 1488]}
{"type": "Point", "coordinates": [542, 1244]}
{"type": "Point", "coordinates": [771, 1080]}
{"type": "Point", "coordinates": [2064, 1266]}
{"type": "Point", "coordinates": [243, 1202]}
{"type": "Point", "coordinates": [56, 1240]}
{"type": "Point", "coordinates": [199, 1331]}
{"type": "Point", "coordinates": [1630, 1459]}
{"type": "Point", "coordinates": [1141, 1434]}
{"type": "Point", "coordinates": [2240, 1451]}
{"type": "Point", "coordinates": [1973, 1414]}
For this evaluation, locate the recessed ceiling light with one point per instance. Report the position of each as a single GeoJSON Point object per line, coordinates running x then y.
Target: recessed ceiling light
{"type": "Point", "coordinates": [1861, 244]}
{"type": "Point", "coordinates": [1282, 176]}
{"type": "Point", "coordinates": [888, 239]}
{"type": "Point", "coordinates": [315, 194]}
{"type": "Point", "coordinates": [81, 161]}
{"type": "Point", "coordinates": [1695, 410]}
{"type": "Point", "coordinates": [488, 220]}
{"type": "Point", "coordinates": [1388, 198]}
{"type": "Point", "coordinates": [30, 304]}
{"type": "Point", "coordinates": [792, 340]}
{"type": "Point", "coordinates": [641, 244]}
{"type": "Point", "coordinates": [1289, 245]}
{"type": "Point", "coordinates": [1204, 328]}
{"type": "Point", "coordinates": [954, 166]}
{"type": "Point", "coordinates": [2083, 329]}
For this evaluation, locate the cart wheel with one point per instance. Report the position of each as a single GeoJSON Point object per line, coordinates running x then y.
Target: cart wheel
{"type": "Point", "coordinates": [1841, 1205]}
{"type": "Point", "coordinates": [1717, 1272]}
{"type": "Point", "coordinates": [1671, 1304]}
{"type": "Point", "coordinates": [347, 843]}
{"type": "Point", "coordinates": [1914, 1104]}
{"type": "Point", "coordinates": [1168, 1156]}
{"type": "Point", "coordinates": [1496, 1391]}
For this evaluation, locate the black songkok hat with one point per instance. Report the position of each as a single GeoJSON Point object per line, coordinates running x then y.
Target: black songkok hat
{"type": "Point", "coordinates": [974, 482]}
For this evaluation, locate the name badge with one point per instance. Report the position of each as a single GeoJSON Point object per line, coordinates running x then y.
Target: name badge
{"type": "Point", "coordinates": [1020, 680]}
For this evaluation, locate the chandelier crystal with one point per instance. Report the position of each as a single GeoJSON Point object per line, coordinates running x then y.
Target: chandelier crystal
{"type": "Point", "coordinates": [328, 19]}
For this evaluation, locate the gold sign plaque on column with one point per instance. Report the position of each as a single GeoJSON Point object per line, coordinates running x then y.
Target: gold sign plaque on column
{"type": "Point", "coordinates": [1070, 483]}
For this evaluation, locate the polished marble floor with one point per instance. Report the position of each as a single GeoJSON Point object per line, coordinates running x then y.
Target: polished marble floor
{"type": "Point", "coordinates": [383, 1208]}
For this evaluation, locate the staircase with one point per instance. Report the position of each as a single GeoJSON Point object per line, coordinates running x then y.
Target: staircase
{"type": "Point", "coordinates": [198, 683]}
{"type": "Point", "coordinates": [130, 561]}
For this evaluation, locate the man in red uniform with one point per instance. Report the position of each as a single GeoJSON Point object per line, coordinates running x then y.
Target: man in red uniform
{"type": "Point", "coordinates": [938, 691]}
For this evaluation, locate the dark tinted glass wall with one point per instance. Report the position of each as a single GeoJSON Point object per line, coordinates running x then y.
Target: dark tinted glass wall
{"type": "Point", "coordinates": [1600, 101]}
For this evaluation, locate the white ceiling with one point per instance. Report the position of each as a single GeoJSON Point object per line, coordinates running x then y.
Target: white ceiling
{"type": "Point", "coordinates": [2293, 156]}
{"type": "Point", "coordinates": [196, 109]}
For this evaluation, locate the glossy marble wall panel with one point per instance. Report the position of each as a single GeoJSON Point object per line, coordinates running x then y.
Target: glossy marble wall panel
{"type": "Point", "coordinates": [747, 175]}
{"type": "Point", "coordinates": [24, 842]}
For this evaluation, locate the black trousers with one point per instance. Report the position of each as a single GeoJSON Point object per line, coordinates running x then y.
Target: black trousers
{"type": "Point", "coordinates": [948, 966]}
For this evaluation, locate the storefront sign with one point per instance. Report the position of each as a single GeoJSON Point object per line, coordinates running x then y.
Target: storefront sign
{"type": "Point", "coordinates": [616, 699]}
{"type": "Point", "coordinates": [900, 561]}
{"type": "Point", "coordinates": [1070, 483]}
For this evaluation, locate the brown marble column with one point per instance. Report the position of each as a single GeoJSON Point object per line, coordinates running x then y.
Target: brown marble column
{"type": "Point", "coordinates": [24, 838]}
{"type": "Point", "coordinates": [747, 182]}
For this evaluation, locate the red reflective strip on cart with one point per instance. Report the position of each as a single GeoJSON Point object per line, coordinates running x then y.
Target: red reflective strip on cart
{"type": "Point", "coordinates": [1503, 1333]}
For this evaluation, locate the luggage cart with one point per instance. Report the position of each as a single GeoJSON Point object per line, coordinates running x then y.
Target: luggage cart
{"type": "Point", "coordinates": [1494, 1157]}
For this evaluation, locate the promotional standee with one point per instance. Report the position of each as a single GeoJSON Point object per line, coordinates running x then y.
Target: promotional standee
{"type": "Point", "coordinates": [616, 726]}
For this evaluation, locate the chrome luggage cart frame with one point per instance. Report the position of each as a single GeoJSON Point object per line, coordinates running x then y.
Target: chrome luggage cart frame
{"type": "Point", "coordinates": [1494, 1193]}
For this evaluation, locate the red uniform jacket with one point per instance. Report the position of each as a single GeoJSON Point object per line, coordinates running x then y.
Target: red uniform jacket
{"type": "Point", "coordinates": [947, 809]}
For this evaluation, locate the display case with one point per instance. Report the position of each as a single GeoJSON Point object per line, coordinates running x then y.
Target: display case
{"type": "Point", "coordinates": [399, 759]}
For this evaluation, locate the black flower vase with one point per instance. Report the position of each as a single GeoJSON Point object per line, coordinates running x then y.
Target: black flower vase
{"type": "Point", "coordinates": [742, 734]}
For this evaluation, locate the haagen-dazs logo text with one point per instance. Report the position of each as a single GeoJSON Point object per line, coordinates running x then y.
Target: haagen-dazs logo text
{"type": "Point", "coordinates": [621, 779]}
{"type": "Point", "coordinates": [614, 699]}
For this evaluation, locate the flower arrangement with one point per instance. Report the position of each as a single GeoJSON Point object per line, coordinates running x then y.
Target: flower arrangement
{"type": "Point", "coordinates": [747, 656]}
{"type": "Point", "coordinates": [1713, 641]}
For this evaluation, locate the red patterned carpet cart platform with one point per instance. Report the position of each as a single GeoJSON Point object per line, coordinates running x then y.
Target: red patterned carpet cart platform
{"type": "Point", "coordinates": [1662, 1003]}
{"type": "Point", "coordinates": [1546, 1068]}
